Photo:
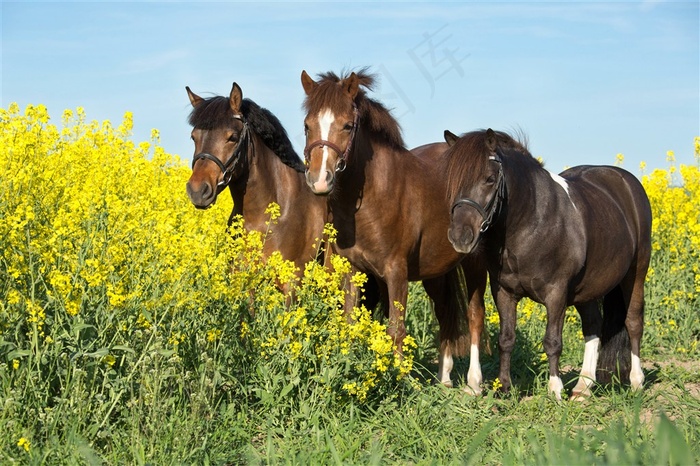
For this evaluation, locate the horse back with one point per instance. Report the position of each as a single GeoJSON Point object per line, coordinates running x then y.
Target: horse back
{"type": "Point", "coordinates": [608, 190]}
{"type": "Point", "coordinates": [616, 217]}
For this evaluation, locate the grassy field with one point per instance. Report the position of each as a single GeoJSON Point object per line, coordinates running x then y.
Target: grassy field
{"type": "Point", "coordinates": [126, 339]}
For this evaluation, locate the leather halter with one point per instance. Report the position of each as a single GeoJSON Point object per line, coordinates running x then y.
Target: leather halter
{"type": "Point", "coordinates": [342, 154]}
{"type": "Point", "coordinates": [493, 208]}
{"type": "Point", "coordinates": [228, 168]}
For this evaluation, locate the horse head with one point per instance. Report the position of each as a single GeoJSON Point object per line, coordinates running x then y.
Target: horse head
{"type": "Point", "coordinates": [476, 187]}
{"type": "Point", "coordinates": [220, 136]}
{"type": "Point", "coordinates": [330, 126]}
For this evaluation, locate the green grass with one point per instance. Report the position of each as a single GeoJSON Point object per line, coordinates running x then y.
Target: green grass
{"type": "Point", "coordinates": [207, 410]}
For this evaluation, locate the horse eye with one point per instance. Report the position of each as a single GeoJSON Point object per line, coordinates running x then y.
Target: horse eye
{"type": "Point", "coordinates": [348, 127]}
{"type": "Point", "coordinates": [233, 138]}
{"type": "Point", "coordinates": [306, 128]}
{"type": "Point", "coordinates": [491, 179]}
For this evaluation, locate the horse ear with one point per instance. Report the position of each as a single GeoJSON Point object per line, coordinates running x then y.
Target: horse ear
{"type": "Point", "coordinates": [491, 141]}
{"type": "Point", "coordinates": [351, 84]}
{"type": "Point", "coordinates": [194, 98]}
{"type": "Point", "coordinates": [450, 138]}
{"type": "Point", "coordinates": [308, 83]}
{"type": "Point", "coordinates": [236, 98]}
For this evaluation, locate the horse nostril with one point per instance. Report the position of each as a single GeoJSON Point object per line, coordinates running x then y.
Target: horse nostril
{"type": "Point", "coordinates": [205, 191]}
{"type": "Point", "coordinates": [329, 176]}
{"type": "Point", "coordinates": [468, 236]}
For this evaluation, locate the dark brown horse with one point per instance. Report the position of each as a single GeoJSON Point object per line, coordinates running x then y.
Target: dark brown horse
{"type": "Point", "coordinates": [243, 146]}
{"type": "Point", "coordinates": [579, 238]}
{"type": "Point", "coordinates": [389, 206]}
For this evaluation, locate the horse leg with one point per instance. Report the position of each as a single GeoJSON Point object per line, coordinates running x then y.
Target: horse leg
{"type": "Point", "coordinates": [476, 310]}
{"type": "Point", "coordinates": [437, 290]}
{"type": "Point", "coordinates": [552, 343]}
{"type": "Point", "coordinates": [634, 322]}
{"type": "Point", "coordinates": [591, 322]}
{"type": "Point", "coordinates": [397, 283]}
{"type": "Point", "coordinates": [507, 307]}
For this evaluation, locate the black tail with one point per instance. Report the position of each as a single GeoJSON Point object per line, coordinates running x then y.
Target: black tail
{"type": "Point", "coordinates": [452, 316]}
{"type": "Point", "coordinates": [615, 350]}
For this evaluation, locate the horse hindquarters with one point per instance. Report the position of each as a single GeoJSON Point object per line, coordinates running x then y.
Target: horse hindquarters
{"type": "Point", "coordinates": [623, 327]}
{"type": "Point", "coordinates": [615, 342]}
{"type": "Point", "coordinates": [623, 306]}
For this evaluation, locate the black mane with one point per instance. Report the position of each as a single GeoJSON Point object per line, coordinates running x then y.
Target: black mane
{"type": "Point", "coordinates": [216, 112]}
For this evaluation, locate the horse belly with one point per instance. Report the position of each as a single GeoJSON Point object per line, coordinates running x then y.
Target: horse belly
{"type": "Point", "coordinates": [603, 272]}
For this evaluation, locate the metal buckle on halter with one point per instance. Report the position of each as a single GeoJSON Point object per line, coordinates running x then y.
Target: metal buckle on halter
{"type": "Point", "coordinates": [484, 226]}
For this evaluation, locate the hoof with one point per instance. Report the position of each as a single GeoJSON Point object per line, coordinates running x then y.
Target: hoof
{"type": "Point", "coordinates": [447, 384]}
{"type": "Point", "coordinates": [579, 396]}
{"type": "Point", "coordinates": [471, 391]}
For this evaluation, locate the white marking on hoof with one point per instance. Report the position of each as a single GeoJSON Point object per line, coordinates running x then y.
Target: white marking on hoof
{"type": "Point", "coordinates": [556, 386]}
{"type": "Point", "coordinates": [474, 376]}
{"type": "Point", "coordinates": [590, 361]}
{"type": "Point", "coordinates": [471, 391]}
{"type": "Point", "coordinates": [636, 374]}
{"type": "Point", "coordinates": [445, 364]}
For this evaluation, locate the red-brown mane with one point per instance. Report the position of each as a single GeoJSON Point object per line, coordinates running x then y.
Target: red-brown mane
{"type": "Point", "coordinates": [376, 118]}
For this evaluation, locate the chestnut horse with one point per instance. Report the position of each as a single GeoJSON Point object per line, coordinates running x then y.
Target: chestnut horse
{"type": "Point", "coordinates": [389, 206]}
{"type": "Point", "coordinates": [579, 238]}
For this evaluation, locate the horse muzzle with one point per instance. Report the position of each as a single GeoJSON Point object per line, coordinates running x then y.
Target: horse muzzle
{"type": "Point", "coordinates": [463, 240]}
{"type": "Point", "coordinates": [202, 195]}
{"type": "Point", "coordinates": [323, 183]}
{"type": "Point", "coordinates": [463, 233]}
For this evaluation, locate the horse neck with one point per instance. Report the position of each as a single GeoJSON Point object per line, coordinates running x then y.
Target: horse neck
{"type": "Point", "coordinates": [370, 162]}
{"type": "Point", "coordinates": [524, 191]}
{"type": "Point", "coordinates": [266, 180]}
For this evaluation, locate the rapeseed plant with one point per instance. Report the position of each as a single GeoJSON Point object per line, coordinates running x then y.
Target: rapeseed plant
{"type": "Point", "coordinates": [101, 249]}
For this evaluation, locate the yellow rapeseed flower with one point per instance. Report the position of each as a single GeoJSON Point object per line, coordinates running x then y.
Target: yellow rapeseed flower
{"type": "Point", "coordinates": [496, 385]}
{"type": "Point", "coordinates": [23, 442]}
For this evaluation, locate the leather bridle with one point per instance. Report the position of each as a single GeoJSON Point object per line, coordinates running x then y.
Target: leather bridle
{"type": "Point", "coordinates": [490, 212]}
{"type": "Point", "coordinates": [342, 154]}
{"type": "Point", "coordinates": [228, 168]}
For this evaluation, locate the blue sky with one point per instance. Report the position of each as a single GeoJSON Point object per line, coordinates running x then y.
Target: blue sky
{"type": "Point", "coordinates": [584, 81]}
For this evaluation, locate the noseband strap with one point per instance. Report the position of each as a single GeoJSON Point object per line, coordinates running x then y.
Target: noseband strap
{"type": "Point", "coordinates": [493, 208]}
{"type": "Point", "coordinates": [228, 168]}
{"type": "Point", "coordinates": [342, 154]}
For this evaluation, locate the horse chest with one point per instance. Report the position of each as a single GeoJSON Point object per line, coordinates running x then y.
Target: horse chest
{"type": "Point", "coordinates": [520, 276]}
{"type": "Point", "coordinates": [504, 267]}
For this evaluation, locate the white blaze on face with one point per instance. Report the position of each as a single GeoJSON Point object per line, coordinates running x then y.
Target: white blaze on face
{"type": "Point", "coordinates": [325, 121]}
